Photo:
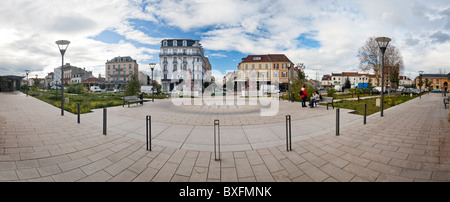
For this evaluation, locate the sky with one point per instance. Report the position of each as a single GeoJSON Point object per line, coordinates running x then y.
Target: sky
{"type": "Point", "coordinates": [325, 35]}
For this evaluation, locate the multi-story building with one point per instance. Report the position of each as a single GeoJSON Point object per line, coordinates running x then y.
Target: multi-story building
{"type": "Point", "coordinates": [183, 63]}
{"type": "Point", "coordinates": [72, 75]}
{"type": "Point", "coordinates": [49, 80]}
{"type": "Point", "coordinates": [438, 81]}
{"type": "Point", "coordinates": [355, 79]}
{"type": "Point", "coordinates": [271, 69]}
{"type": "Point", "coordinates": [118, 71]}
{"type": "Point", "coordinates": [405, 81]}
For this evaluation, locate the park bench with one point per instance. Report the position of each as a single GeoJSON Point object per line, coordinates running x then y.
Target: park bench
{"type": "Point", "coordinates": [131, 99]}
{"type": "Point", "coordinates": [446, 102]}
{"type": "Point", "coordinates": [327, 100]}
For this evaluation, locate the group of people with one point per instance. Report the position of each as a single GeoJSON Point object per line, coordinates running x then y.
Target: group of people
{"type": "Point", "coordinates": [314, 99]}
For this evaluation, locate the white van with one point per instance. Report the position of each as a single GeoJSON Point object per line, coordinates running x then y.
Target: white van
{"type": "Point", "coordinates": [95, 89]}
{"type": "Point", "coordinates": [146, 89]}
{"type": "Point", "coordinates": [269, 89]}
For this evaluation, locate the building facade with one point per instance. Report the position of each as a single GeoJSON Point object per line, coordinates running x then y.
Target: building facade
{"type": "Point", "coordinates": [270, 69]}
{"type": "Point", "coordinates": [183, 63]}
{"type": "Point", "coordinates": [437, 81]}
{"type": "Point", "coordinates": [72, 75]}
{"type": "Point", "coordinates": [118, 72]}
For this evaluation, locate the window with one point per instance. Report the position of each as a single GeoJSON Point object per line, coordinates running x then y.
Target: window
{"type": "Point", "coordinates": [283, 66]}
{"type": "Point", "coordinates": [130, 72]}
{"type": "Point", "coordinates": [275, 74]}
{"type": "Point", "coordinates": [267, 66]}
{"type": "Point", "coordinates": [125, 66]}
{"type": "Point", "coordinates": [108, 72]}
{"type": "Point", "coordinates": [174, 68]}
{"type": "Point", "coordinates": [165, 67]}
{"type": "Point", "coordinates": [125, 79]}
{"type": "Point", "coordinates": [165, 76]}
{"type": "Point", "coordinates": [129, 66]}
{"type": "Point", "coordinates": [109, 66]}
{"type": "Point", "coordinates": [164, 43]}
{"type": "Point", "coordinates": [260, 66]}
{"type": "Point", "coordinates": [114, 66]}
{"type": "Point", "coordinates": [256, 58]}
{"type": "Point", "coordinates": [184, 43]}
{"type": "Point", "coordinates": [174, 51]}
{"type": "Point", "coordinates": [253, 66]}
{"type": "Point", "coordinates": [246, 66]}
{"type": "Point", "coordinates": [276, 66]}
{"type": "Point", "coordinates": [283, 74]}
{"type": "Point", "coordinates": [174, 42]}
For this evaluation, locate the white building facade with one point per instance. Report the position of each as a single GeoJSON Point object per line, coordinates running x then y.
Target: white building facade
{"type": "Point", "coordinates": [183, 63]}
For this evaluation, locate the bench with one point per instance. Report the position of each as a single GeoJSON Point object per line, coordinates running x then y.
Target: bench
{"type": "Point", "coordinates": [327, 100]}
{"type": "Point", "coordinates": [131, 99]}
{"type": "Point", "coordinates": [446, 102]}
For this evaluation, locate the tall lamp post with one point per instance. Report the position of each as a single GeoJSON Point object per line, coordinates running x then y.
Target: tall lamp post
{"type": "Point", "coordinates": [289, 80]}
{"type": "Point", "coordinates": [152, 67]}
{"type": "Point", "coordinates": [62, 45]}
{"type": "Point", "coordinates": [420, 83]}
{"type": "Point", "coordinates": [383, 42]}
{"type": "Point", "coordinates": [28, 84]}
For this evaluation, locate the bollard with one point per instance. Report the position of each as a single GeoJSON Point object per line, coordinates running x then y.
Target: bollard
{"type": "Point", "coordinates": [288, 133]}
{"type": "Point", "coordinates": [104, 121]}
{"type": "Point", "coordinates": [216, 123]}
{"type": "Point", "coordinates": [337, 121]}
{"type": "Point", "coordinates": [149, 133]}
{"type": "Point", "coordinates": [292, 97]}
{"type": "Point", "coordinates": [365, 113]}
{"type": "Point", "coordinates": [78, 112]}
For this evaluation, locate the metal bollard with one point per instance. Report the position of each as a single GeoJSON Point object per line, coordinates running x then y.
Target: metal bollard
{"type": "Point", "coordinates": [365, 113]}
{"type": "Point", "coordinates": [104, 121]}
{"type": "Point", "coordinates": [292, 97]}
{"type": "Point", "coordinates": [337, 121]}
{"type": "Point", "coordinates": [78, 112]}
{"type": "Point", "coordinates": [216, 123]}
{"type": "Point", "coordinates": [149, 133]}
{"type": "Point", "coordinates": [288, 133]}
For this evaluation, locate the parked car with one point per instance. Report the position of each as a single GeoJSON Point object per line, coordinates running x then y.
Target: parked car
{"type": "Point", "coordinates": [407, 91]}
{"type": "Point", "coordinates": [116, 91]}
{"type": "Point", "coordinates": [269, 89]}
{"type": "Point", "coordinates": [375, 91]}
{"type": "Point", "coordinates": [95, 89]}
{"type": "Point", "coordinates": [436, 90]}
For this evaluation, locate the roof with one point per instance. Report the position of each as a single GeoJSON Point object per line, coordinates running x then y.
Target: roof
{"type": "Point", "coordinates": [350, 73]}
{"type": "Point", "coordinates": [436, 75]}
{"type": "Point", "coordinates": [121, 59]}
{"type": "Point", "coordinates": [94, 80]}
{"type": "Point", "coordinates": [266, 58]}
{"type": "Point", "coordinates": [279, 58]}
{"type": "Point", "coordinates": [256, 58]}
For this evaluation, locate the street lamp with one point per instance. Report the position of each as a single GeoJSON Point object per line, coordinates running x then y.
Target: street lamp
{"type": "Point", "coordinates": [420, 83]}
{"type": "Point", "coordinates": [152, 67]}
{"type": "Point", "coordinates": [383, 42]}
{"type": "Point", "coordinates": [62, 45]}
{"type": "Point", "coordinates": [27, 72]}
{"type": "Point", "coordinates": [289, 80]}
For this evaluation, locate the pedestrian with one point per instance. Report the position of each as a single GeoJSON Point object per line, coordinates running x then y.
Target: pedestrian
{"type": "Point", "coordinates": [314, 99]}
{"type": "Point", "coordinates": [304, 95]}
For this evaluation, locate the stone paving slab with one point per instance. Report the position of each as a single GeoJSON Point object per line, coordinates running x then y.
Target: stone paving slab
{"type": "Point", "coordinates": [410, 143]}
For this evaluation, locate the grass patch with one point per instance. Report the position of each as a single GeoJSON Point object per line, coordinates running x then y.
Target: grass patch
{"type": "Point", "coordinates": [389, 101]}
{"type": "Point", "coordinates": [87, 100]}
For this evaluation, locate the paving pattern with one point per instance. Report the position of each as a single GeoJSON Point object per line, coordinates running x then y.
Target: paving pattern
{"type": "Point", "coordinates": [410, 143]}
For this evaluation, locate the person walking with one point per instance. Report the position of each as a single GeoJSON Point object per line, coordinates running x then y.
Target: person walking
{"type": "Point", "coordinates": [304, 95]}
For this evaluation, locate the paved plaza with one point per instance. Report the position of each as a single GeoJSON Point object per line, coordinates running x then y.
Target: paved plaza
{"type": "Point", "coordinates": [411, 143]}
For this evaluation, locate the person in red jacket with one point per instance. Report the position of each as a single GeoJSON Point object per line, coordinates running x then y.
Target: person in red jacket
{"type": "Point", "coordinates": [304, 95]}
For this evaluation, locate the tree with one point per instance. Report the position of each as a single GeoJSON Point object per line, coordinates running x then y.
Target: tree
{"type": "Point", "coordinates": [428, 83]}
{"type": "Point", "coordinates": [394, 78]}
{"type": "Point", "coordinates": [347, 83]}
{"type": "Point", "coordinates": [370, 58]}
{"type": "Point", "coordinates": [420, 82]}
{"type": "Point", "coordinates": [133, 86]}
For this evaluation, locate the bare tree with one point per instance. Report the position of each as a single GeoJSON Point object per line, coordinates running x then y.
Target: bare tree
{"type": "Point", "coordinates": [370, 58]}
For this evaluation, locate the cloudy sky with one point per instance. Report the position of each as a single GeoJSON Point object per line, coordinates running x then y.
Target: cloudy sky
{"type": "Point", "coordinates": [324, 35]}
